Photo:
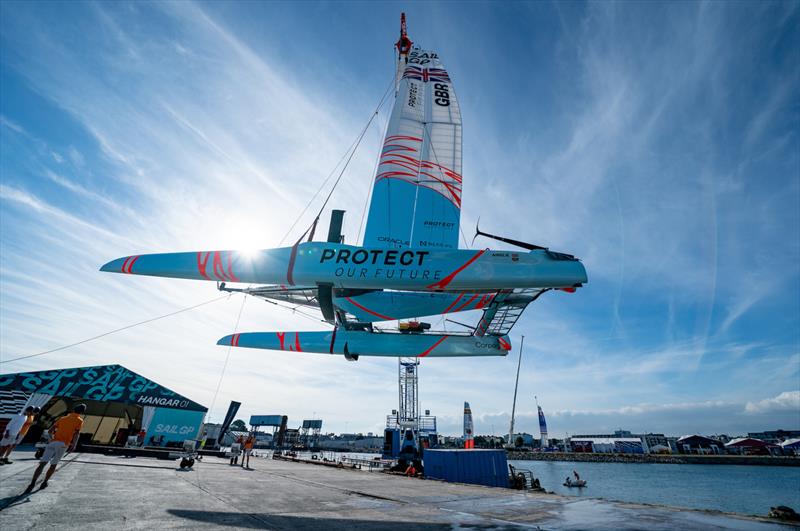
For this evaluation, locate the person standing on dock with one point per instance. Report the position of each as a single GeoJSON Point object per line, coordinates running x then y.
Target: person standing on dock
{"type": "Point", "coordinates": [236, 450]}
{"type": "Point", "coordinates": [15, 431]}
{"type": "Point", "coordinates": [248, 444]}
{"type": "Point", "coordinates": [64, 434]}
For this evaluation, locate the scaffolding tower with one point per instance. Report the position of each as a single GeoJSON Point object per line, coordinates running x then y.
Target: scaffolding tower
{"type": "Point", "coordinates": [408, 385]}
{"type": "Point", "coordinates": [408, 416]}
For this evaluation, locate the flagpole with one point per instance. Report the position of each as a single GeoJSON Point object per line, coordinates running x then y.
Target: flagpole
{"type": "Point", "coordinates": [516, 385]}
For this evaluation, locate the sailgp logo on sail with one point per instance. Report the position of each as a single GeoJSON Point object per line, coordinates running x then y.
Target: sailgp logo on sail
{"type": "Point", "coordinates": [421, 58]}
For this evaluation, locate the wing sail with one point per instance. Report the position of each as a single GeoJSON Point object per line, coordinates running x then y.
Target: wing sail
{"type": "Point", "coordinates": [416, 197]}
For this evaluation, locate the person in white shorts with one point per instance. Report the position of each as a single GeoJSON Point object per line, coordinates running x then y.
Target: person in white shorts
{"type": "Point", "coordinates": [12, 431]}
{"type": "Point", "coordinates": [10, 441]}
{"type": "Point", "coordinates": [65, 434]}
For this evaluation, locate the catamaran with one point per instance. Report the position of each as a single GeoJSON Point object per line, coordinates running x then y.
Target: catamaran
{"type": "Point", "coordinates": [409, 263]}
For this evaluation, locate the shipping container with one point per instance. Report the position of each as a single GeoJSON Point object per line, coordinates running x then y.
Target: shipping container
{"type": "Point", "coordinates": [478, 467]}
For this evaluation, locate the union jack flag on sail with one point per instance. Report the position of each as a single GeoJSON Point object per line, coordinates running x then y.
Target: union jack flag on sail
{"type": "Point", "coordinates": [426, 74]}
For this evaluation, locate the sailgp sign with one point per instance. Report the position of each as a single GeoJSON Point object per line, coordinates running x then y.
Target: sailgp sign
{"type": "Point", "coordinates": [105, 383]}
{"type": "Point", "coordinates": [175, 424]}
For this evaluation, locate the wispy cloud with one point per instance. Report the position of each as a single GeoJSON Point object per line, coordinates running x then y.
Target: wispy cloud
{"type": "Point", "coordinates": [631, 141]}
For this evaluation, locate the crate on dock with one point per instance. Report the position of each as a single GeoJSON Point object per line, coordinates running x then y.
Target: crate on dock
{"type": "Point", "coordinates": [478, 467]}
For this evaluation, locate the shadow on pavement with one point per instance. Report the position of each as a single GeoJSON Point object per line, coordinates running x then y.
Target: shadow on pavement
{"type": "Point", "coordinates": [16, 499]}
{"type": "Point", "coordinates": [268, 521]}
{"type": "Point", "coordinates": [132, 465]}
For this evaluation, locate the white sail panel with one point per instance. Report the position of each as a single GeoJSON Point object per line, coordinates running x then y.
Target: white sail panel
{"type": "Point", "coordinates": [416, 197]}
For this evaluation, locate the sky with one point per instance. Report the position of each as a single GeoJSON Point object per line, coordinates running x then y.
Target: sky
{"type": "Point", "coordinates": [658, 142]}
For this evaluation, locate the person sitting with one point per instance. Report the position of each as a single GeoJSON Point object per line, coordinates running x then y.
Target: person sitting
{"type": "Point", "coordinates": [568, 481]}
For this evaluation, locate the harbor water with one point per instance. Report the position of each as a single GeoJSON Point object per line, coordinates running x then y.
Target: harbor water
{"type": "Point", "coordinates": [739, 489]}
{"type": "Point", "coordinates": [730, 488]}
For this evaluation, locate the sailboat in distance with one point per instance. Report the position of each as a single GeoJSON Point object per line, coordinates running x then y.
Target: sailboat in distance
{"type": "Point", "coordinates": [544, 441]}
{"type": "Point", "coordinates": [409, 263]}
{"type": "Point", "coordinates": [469, 428]}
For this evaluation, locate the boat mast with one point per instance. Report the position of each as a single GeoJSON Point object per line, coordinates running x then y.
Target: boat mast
{"type": "Point", "coordinates": [514, 405]}
{"type": "Point", "coordinates": [403, 46]}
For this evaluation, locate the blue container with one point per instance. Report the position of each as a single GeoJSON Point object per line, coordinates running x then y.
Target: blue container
{"type": "Point", "coordinates": [478, 467]}
{"type": "Point", "coordinates": [391, 443]}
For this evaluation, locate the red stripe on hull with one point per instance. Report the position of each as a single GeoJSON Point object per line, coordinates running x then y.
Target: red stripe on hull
{"type": "Point", "coordinates": [447, 310]}
{"type": "Point", "coordinates": [442, 284]}
{"type": "Point", "coordinates": [376, 314]}
{"type": "Point", "coordinates": [297, 342]}
{"type": "Point", "coordinates": [466, 303]}
{"type": "Point", "coordinates": [333, 338]}
{"type": "Point", "coordinates": [230, 269]}
{"type": "Point", "coordinates": [432, 347]}
{"type": "Point", "coordinates": [202, 263]}
{"type": "Point", "coordinates": [130, 264]}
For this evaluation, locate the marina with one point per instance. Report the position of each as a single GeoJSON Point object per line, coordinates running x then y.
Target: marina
{"type": "Point", "coordinates": [730, 488]}
{"type": "Point", "coordinates": [690, 486]}
{"type": "Point", "coordinates": [102, 492]}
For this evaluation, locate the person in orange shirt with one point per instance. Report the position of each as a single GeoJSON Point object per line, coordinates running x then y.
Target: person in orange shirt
{"type": "Point", "coordinates": [15, 431]}
{"type": "Point", "coordinates": [249, 442]}
{"type": "Point", "coordinates": [64, 437]}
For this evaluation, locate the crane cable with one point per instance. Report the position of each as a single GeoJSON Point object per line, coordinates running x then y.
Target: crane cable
{"type": "Point", "coordinates": [348, 155]}
{"type": "Point", "coordinates": [227, 359]}
{"type": "Point", "coordinates": [127, 327]}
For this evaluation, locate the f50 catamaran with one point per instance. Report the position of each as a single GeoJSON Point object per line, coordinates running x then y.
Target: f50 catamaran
{"type": "Point", "coordinates": [409, 263]}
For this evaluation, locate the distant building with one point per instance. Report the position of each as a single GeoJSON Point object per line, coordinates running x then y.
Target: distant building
{"type": "Point", "coordinates": [791, 447]}
{"type": "Point", "coordinates": [263, 439]}
{"type": "Point", "coordinates": [607, 445]}
{"type": "Point", "coordinates": [351, 441]}
{"type": "Point", "coordinates": [527, 439]}
{"type": "Point", "coordinates": [648, 440]}
{"type": "Point", "coordinates": [292, 437]}
{"type": "Point", "coordinates": [697, 444]}
{"type": "Point", "coordinates": [749, 446]}
{"type": "Point", "coordinates": [652, 440]}
{"type": "Point", "coordinates": [776, 436]}
{"type": "Point", "coordinates": [618, 434]}
{"type": "Point", "coordinates": [672, 442]}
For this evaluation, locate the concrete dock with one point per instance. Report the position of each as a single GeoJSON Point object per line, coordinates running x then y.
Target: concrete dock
{"type": "Point", "coordinates": [93, 491]}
